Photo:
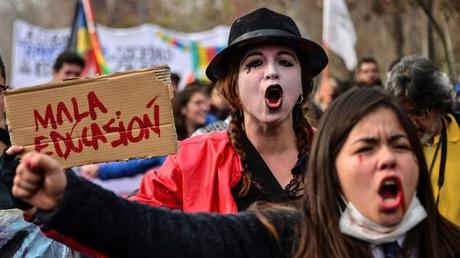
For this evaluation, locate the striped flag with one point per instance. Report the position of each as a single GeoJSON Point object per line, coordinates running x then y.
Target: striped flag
{"type": "Point", "coordinates": [84, 41]}
{"type": "Point", "coordinates": [201, 56]}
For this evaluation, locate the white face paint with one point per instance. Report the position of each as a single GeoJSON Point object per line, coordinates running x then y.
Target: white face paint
{"type": "Point", "coordinates": [269, 84]}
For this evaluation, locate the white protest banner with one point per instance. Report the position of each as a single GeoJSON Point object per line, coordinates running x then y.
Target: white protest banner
{"type": "Point", "coordinates": [151, 45]}
{"type": "Point", "coordinates": [36, 48]}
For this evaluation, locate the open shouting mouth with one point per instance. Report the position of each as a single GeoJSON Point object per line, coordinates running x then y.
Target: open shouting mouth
{"type": "Point", "coordinates": [391, 194]}
{"type": "Point", "coordinates": [274, 96]}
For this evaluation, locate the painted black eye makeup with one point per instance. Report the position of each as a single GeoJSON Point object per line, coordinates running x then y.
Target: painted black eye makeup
{"type": "Point", "coordinates": [252, 64]}
{"type": "Point", "coordinates": [286, 63]}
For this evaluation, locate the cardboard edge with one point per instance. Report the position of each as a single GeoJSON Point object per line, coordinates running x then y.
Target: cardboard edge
{"type": "Point", "coordinates": [159, 71]}
{"type": "Point", "coordinates": [162, 73]}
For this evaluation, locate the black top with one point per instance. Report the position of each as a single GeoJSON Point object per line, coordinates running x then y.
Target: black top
{"type": "Point", "coordinates": [264, 186]}
{"type": "Point", "coordinates": [120, 228]}
{"type": "Point", "coordinates": [8, 166]}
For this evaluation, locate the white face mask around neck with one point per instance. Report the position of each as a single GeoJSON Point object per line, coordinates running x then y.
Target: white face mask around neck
{"type": "Point", "coordinates": [353, 223]}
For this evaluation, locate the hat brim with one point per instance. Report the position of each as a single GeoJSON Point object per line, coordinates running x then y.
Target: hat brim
{"type": "Point", "coordinates": [312, 54]}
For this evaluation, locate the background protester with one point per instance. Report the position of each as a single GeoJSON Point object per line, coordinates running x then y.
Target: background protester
{"type": "Point", "coordinates": [426, 94]}
{"type": "Point", "coordinates": [367, 73]}
{"type": "Point", "coordinates": [367, 195]}
{"type": "Point", "coordinates": [190, 109]}
{"type": "Point", "coordinates": [329, 91]}
{"type": "Point", "coordinates": [68, 65]}
{"type": "Point", "coordinates": [323, 94]}
{"type": "Point", "coordinates": [266, 77]}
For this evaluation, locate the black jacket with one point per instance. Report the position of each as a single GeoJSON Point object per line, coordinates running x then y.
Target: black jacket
{"type": "Point", "coordinates": [120, 228]}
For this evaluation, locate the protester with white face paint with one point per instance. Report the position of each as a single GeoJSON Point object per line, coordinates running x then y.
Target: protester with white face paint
{"type": "Point", "coordinates": [265, 74]}
{"type": "Point", "coordinates": [368, 194]}
{"type": "Point", "coordinates": [427, 95]}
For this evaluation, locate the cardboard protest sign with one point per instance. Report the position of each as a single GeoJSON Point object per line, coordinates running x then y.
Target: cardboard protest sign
{"type": "Point", "coordinates": [106, 118]}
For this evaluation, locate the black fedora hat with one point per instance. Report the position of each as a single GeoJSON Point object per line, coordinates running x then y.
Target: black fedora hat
{"type": "Point", "coordinates": [265, 25]}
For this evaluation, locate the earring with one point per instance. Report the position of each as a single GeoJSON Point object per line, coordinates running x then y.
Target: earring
{"type": "Point", "coordinates": [300, 100]}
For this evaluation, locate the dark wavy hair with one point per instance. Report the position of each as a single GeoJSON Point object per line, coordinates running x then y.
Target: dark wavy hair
{"type": "Point", "coordinates": [67, 57]}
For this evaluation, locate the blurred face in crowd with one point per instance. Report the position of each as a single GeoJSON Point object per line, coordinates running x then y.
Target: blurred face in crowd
{"type": "Point", "coordinates": [269, 84]}
{"type": "Point", "coordinates": [377, 169]}
{"type": "Point", "coordinates": [427, 121]}
{"type": "Point", "coordinates": [67, 71]}
{"type": "Point", "coordinates": [324, 95]}
{"type": "Point", "coordinates": [196, 109]}
{"type": "Point", "coordinates": [368, 73]}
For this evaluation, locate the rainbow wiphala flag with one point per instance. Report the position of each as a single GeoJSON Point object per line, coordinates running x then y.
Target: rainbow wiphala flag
{"type": "Point", "coordinates": [83, 39]}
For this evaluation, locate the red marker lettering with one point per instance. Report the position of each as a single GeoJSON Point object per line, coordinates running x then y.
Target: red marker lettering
{"type": "Point", "coordinates": [49, 118]}
{"type": "Point", "coordinates": [138, 128]}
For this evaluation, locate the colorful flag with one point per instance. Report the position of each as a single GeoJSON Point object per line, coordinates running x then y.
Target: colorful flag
{"type": "Point", "coordinates": [339, 34]}
{"type": "Point", "coordinates": [201, 56]}
{"type": "Point", "coordinates": [83, 39]}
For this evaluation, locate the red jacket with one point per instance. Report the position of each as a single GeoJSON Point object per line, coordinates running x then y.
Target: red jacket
{"type": "Point", "coordinates": [199, 178]}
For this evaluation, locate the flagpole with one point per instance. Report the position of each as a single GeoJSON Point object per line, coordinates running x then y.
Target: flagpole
{"type": "Point", "coordinates": [101, 67]}
{"type": "Point", "coordinates": [324, 86]}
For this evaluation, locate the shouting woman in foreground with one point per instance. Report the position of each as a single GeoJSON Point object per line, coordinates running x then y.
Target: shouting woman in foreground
{"type": "Point", "coordinates": [368, 194]}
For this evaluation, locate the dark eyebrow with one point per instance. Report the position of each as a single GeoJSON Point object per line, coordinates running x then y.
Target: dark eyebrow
{"type": "Point", "coordinates": [396, 137]}
{"type": "Point", "coordinates": [366, 140]}
{"type": "Point", "coordinates": [255, 53]}
{"type": "Point", "coordinates": [373, 140]}
{"type": "Point", "coordinates": [284, 52]}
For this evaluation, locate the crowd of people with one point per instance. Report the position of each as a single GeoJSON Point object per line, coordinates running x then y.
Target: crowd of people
{"type": "Point", "coordinates": [267, 168]}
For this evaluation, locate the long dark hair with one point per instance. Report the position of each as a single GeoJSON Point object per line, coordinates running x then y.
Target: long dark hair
{"type": "Point", "coordinates": [320, 235]}
{"type": "Point", "coordinates": [229, 89]}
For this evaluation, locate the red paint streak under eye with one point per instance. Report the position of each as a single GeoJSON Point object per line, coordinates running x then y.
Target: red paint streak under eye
{"type": "Point", "coordinates": [360, 158]}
